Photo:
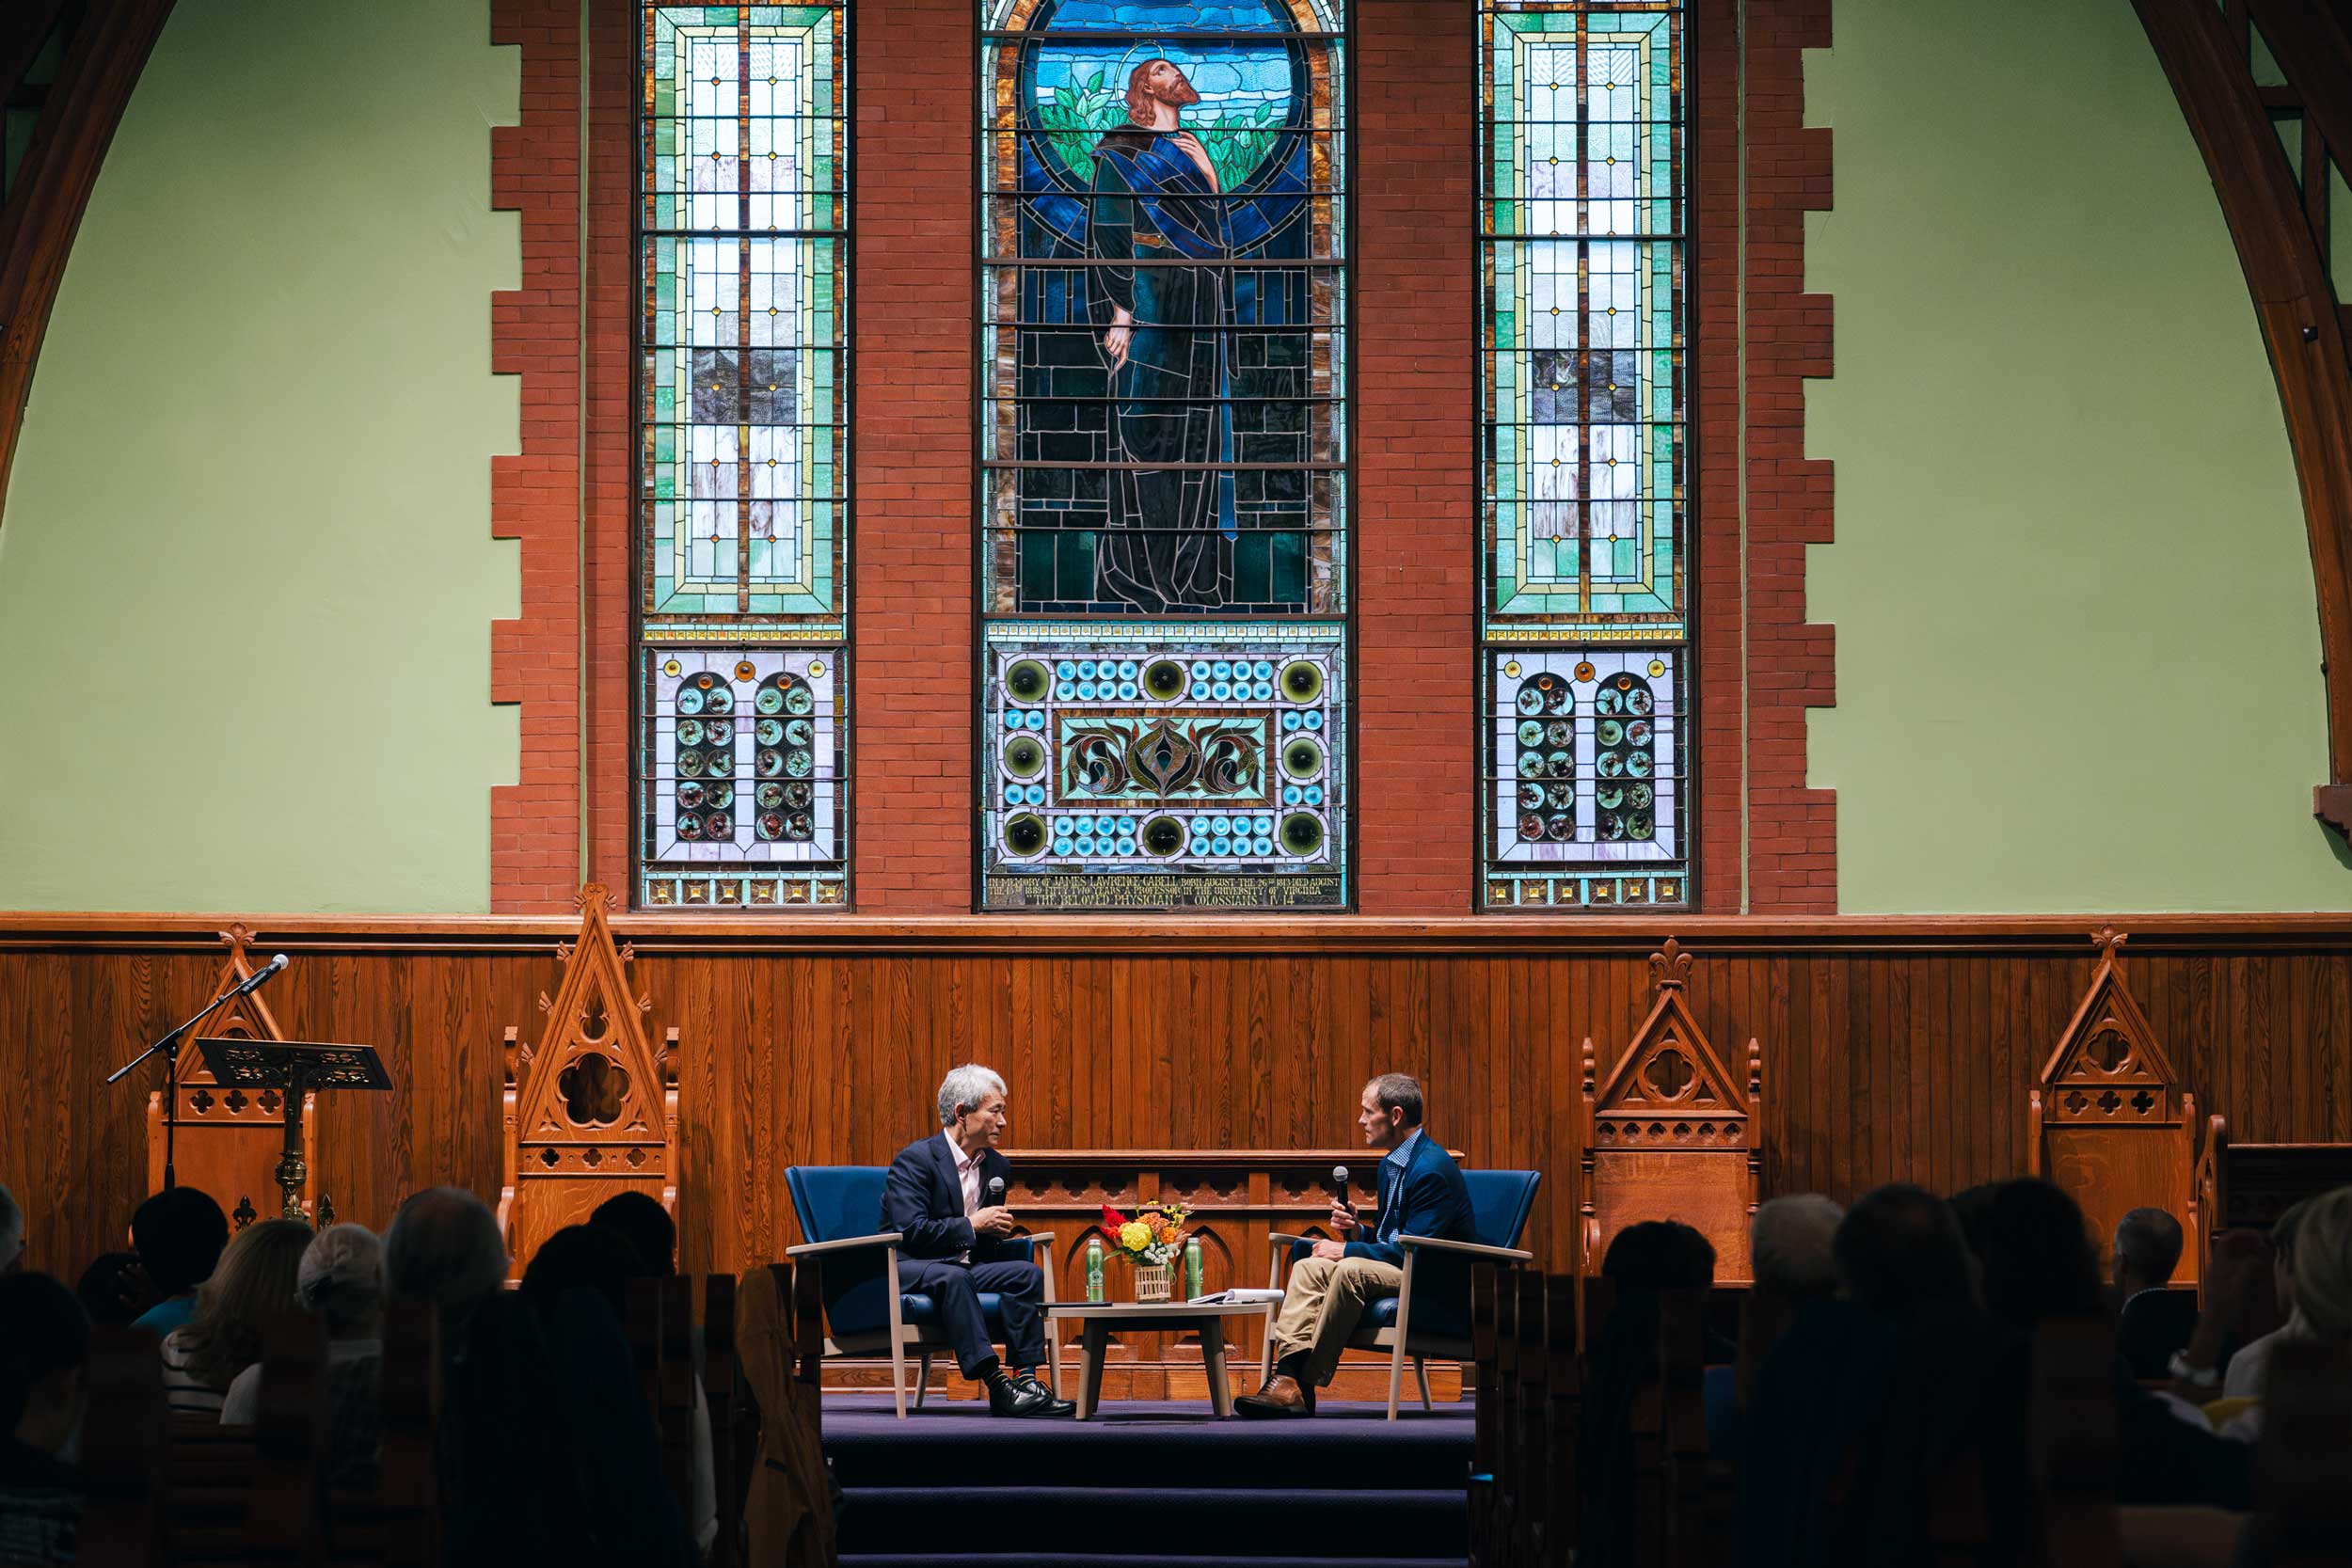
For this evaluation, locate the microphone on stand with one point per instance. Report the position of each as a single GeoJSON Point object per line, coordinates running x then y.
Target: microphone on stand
{"type": "Point", "coordinates": [262, 977]}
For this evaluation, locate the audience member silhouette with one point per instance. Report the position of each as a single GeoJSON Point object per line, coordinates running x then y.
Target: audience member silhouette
{"type": "Point", "coordinates": [45, 1344]}
{"type": "Point", "coordinates": [180, 1235]}
{"type": "Point", "coordinates": [2154, 1320]}
{"type": "Point", "coordinates": [114, 1290]}
{"type": "Point", "coordinates": [253, 1285]}
{"type": "Point", "coordinates": [648, 1227]}
{"type": "Point", "coordinates": [1641, 1260]}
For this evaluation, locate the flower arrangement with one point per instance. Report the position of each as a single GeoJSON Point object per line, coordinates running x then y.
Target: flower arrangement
{"type": "Point", "coordinates": [1154, 1238]}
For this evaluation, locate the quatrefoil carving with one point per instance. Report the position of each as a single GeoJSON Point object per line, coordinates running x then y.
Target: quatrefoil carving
{"type": "Point", "coordinates": [592, 1089]}
{"type": "Point", "coordinates": [2107, 1050]}
{"type": "Point", "coordinates": [1669, 1073]}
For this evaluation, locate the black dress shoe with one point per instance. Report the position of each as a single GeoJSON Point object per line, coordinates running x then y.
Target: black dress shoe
{"type": "Point", "coordinates": [1053, 1406]}
{"type": "Point", "coordinates": [1024, 1400]}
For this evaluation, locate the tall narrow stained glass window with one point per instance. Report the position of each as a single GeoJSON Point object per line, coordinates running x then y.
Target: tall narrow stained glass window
{"type": "Point", "coordinates": [743, 695]}
{"type": "Point", "coordinates": [1585, 619]}
{"type": "Point", "coordinates": [1164, 454]}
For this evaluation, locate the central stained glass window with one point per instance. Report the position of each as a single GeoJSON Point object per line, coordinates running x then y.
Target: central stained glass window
{"type": "Point", "coordinates": [1164, 445]}
{"type": "Point", "coordinates": [743, 696]}
{"type": "Point", "coordinates": [1585, 623]}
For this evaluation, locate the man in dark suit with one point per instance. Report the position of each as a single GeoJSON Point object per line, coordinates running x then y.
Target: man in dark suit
{"type": "Point", "coordinates": [943, 1197]}
{"type": "Point", "coordinates": [1421, 1194]}
{"type": "Point", "coordinates": [2156, 1320]}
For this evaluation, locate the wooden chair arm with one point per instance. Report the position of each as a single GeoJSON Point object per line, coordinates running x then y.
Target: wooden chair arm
{"type": "Point", "coordinates": [1474, 1249]}
{"type": "Point", "coordinates": [814, 1249]}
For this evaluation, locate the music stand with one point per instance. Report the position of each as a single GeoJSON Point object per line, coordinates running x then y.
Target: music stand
{"type": "Point", "coordinates": [292, 1068]}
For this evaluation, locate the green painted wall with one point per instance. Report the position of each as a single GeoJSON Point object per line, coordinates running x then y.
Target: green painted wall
{"type": "Point", "coordinates": [2078, 647]}
{"type": "Point", "coordinates": [247, 576]}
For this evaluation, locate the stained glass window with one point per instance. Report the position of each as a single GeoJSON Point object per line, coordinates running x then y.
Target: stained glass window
{"type": "Point", "coordinates": [1164, 442]}
{"type": "Point", "coordinates": [742, 787]}
{"type": "Point", "coordinates": [1586, 622]}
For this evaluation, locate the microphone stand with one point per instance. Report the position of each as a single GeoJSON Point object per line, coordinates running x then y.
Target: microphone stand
{"type": "Point", "coordinates": [169, 1046]}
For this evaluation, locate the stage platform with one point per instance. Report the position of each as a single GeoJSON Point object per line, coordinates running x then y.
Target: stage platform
{"type": "Point", "coordinates": [1149, 1483]}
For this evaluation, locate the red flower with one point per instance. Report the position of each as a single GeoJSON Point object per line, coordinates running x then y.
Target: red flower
{"type": "Point", "coordinates": [1113, 1218]}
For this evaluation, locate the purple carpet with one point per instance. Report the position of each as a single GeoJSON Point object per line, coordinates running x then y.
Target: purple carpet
{"type": "Point", "coordinates": [1149, 1485]}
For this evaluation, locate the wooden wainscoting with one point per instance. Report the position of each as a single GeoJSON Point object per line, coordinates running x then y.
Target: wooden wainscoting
{"type": "Point", "coordinates": [1889, 1048]}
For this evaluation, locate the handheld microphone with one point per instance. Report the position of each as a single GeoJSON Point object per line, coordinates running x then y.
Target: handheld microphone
{"type": "Point", "coordinates": [1339, 1185]}
{"type": "Point", "coordinates": [995, 1191]}
{"type": "Point", "coordinates": [262, 977]}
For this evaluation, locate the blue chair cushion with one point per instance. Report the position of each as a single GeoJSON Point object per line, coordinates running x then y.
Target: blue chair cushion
{"type": "Point", "coordinates": [921, 1309]}
{"type": "Point", "coordinates": [834, 1202]}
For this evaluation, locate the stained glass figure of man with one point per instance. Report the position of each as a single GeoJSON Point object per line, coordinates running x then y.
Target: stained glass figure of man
{"type": "Point", "coordinates": [1157, 208]}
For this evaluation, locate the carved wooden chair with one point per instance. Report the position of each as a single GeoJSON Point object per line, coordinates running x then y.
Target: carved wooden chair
{"type": "Point", "coordinates": [229, 1140]}
{"type": "Point", "coordinates": [2109, 1121]}
{"type": "Point", "coordinates": [1669, 1134]}
{"type": "Point", "coordinates": [591, 1110]}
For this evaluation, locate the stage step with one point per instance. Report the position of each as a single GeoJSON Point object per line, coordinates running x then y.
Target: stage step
{"type": "Point", "coordinates": [1149, 1484]}
{"type": "Point", "coordinates": [1082, 1559]}
{"type": "Point", "coordinates": [1179, 1519]}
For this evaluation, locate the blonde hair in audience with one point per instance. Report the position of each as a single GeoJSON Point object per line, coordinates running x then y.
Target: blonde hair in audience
{"type": "Point", "coordinates": [253, 1283]}
{"type": "Point", "coordinates": [2323, 1264]}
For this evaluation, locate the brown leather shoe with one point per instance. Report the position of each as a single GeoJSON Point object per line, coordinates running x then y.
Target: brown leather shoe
{"type": "Point", "coordinates": [1282, 1396]}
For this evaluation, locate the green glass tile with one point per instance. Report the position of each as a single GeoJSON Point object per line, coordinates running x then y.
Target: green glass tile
{"type": "Point", "coordinates": [1037, 566]}
{"type": "Point", "coordinates": [1074, 575]}
{"type": "Point", "coordinates": [1252, 573]}
{"type": "Point", "coordinates": [1289, 567]}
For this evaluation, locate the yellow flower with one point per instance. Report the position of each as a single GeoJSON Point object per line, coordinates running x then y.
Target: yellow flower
{"type": "Point", "coordinates": [1134, 1235]}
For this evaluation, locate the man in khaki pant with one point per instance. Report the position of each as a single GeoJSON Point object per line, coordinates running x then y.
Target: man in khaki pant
{"type": "Point", "coordinates": [1421, 1194]}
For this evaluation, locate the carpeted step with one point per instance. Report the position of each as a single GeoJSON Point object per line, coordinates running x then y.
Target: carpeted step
{"type": "Point", "coordinates": [1160, 1510]}
{"type": "Point", "coordinates": [1080, 1559]}
{"type": "Point", "coordinates": [1332, 1451]}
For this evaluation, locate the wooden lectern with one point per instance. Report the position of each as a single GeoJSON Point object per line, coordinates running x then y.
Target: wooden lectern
{"type": "Point", "coordinates": [294, 1069]}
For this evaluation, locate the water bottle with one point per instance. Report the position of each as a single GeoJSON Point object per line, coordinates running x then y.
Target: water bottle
{"type": "Point", "coordinates": [1192, 1267]}
{"type": "Point", "coordinates": [1094, 1268]}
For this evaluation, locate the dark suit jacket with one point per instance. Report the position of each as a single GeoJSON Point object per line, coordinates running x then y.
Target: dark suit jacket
{"type": "Point", "coordinates": [923, 1200]}
{"type": "Point", "coordinates": [1428, 1199]}
{"type": "Point", "coordinates": [2154, 1324]}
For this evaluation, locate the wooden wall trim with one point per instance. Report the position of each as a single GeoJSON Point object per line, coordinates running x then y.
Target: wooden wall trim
{"type": "Point", "coordinates": [1150, 936]}
{"type": "Point", "coordinates": [37, 228]}
{"type": "Point", "coordinates": [2295, 300]}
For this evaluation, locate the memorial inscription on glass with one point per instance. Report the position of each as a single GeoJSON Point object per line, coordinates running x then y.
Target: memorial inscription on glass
{"type": "Point", "coordinates": [742, 616]}
{"type": "Point", "coordinates": [1586, 621]}
{"type": "Point", "coordinates": [1164, 454]}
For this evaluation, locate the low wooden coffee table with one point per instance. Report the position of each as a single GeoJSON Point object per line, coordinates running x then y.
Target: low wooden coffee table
{"type": "Point", "coordinates": [1101, 1319]}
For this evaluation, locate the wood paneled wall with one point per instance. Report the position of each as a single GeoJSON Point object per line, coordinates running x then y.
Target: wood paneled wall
{"type": "Point", "coordinates": [1890, 1049]}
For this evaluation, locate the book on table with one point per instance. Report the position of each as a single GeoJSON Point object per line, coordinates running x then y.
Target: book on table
{"type": "Point", "coordinates": [1239, 1296]}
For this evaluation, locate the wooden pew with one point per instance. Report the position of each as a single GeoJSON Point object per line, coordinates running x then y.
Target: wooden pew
{"type": "Point", "coordinates": [249, 1495]}
{"type": "Point", "coordinates": [122, 1450]}
{"type": "Point", "coordinates": [395, 1521]}
{"type": "Point", "coordinates": [2071, 1433]}
{"type": "Point", "coordinates": [1532, 1413]}
{"type": "Point", "coordinates": [1564, 1414]}
{"type": "Point", "coordinates": [1486, 1410]}
{"type": "Point", "coordinates": [2304, 1507]}
{"type": "Point", "coordinates": [1510, 1479]}
{"type": "Point", "coordinates": [719, 1378]}
{"type": "Point", "coordinates": [2246, 1186]}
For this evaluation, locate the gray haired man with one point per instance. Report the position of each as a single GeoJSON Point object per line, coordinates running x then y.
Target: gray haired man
{"type": "Point", "coordinates": [953, 1243]}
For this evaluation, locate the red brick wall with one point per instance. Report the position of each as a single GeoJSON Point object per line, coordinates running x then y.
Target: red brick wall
{"type": "Point", "coordinates": [534, 495]}
{"type": "Point", "coordinates": [1792, 831]}
{"type": "Point", "coordinates": [912, 415]}
{"type": "Point", "coordinates": [1414, 420]}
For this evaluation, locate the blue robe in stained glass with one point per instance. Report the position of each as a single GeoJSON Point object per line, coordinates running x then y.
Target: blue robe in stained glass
{"type": "Point", "coordinates": [1169, 528]}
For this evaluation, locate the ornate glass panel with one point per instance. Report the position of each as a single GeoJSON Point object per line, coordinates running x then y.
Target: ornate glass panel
{"type": "Point", "coordinates": [742, 614]}
{"type": "Point", "coordinates": [1164, 452]}
{"type": "Point", "coordinates": [1585, 617]}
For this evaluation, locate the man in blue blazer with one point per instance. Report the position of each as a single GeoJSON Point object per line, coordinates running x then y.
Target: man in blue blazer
{"type": "Point", "coordinates": [944, 1197]}
{"type": "Point", "coordinates": [1421, 1194]}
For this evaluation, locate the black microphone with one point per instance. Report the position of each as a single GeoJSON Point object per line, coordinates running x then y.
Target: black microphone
{"type": "Point", "coordinates": [1339, 1185]}
{"type": "Point", "coordinates": [996, 1190]}
{"type": "Point", "coordinates": [260, 977]}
